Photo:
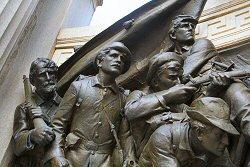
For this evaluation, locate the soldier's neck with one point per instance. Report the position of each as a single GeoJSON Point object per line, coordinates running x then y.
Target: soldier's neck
{"type": "Point", "coordinates": [195, 143]}
{"type": "Point", "coordinates": [105, 79]}
{"type": "Point", "coordinates": [179, 46]}
{"type": "Point", "coordinates": [46, 96]}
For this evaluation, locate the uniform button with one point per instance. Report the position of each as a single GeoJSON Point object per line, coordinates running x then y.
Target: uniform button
{"type": "Point", "coordinates": [100, 123]}
{"type": "Point", "coordinates": [105, 89]}
{"type": "Point", "coordinates": [96, 135]}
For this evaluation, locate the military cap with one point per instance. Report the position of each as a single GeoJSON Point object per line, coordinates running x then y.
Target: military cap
{"type": "Point", "coordinates": [158, 60]}
{"type": "Point", "coordinates": [179, 20]}
{"type": "Point", "coordinates": [211, 110]}
{"type": "Point", "coordinates": [119, 46]}
{"type": "Point", "coordinates": [185, 18]}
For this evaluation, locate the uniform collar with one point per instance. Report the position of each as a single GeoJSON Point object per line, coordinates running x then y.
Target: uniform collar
{"type": "Point", "coordinates": [185, 144]}
{"type": "Point", "coordinates": [96, 83]}
{"type": "Point", "coordinates": [39, 100]}
{"type": "Point", "coordinates": [182, 49]}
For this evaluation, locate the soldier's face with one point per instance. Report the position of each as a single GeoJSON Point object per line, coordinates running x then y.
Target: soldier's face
{"type": "Point", "coordinates": [45, 81]}
{"type": "Point", "coordinates": [168, 75]}
{"type": "Point", "coordinates": [185, 33]}
{"type": "Point", "coordinates": [215, 141]}
{"type": "Point", "coordinates": [113, 63]}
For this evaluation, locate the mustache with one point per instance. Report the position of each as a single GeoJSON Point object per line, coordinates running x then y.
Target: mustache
{"type": "Point", "coordinates": [50, 83]}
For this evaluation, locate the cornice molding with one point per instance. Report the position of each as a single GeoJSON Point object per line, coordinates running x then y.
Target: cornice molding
{"type": "Point", "coordinates": [226, 25]}
{"type": "Point", "coordinates": [223, 9]}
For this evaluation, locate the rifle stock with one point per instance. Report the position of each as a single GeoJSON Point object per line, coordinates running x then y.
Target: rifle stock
{"type": "Point", "coordinates": [38, 122]}
{"type": "Point", "coordinates": [236, 74]}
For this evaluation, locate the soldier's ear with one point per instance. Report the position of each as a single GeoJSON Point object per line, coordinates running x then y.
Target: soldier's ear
{"type": "Point", "coordinates": [99, 63]}
{"type": "Point", "coordinates": [199, 133]}
{"type": "Point", "coordinates": [172, 35]}
{"type": "Point", "coordinates": [154, 82]}
{"type": "Point", "coordinates": [181, 72]}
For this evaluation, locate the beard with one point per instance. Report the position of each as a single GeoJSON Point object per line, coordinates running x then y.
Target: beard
{"type": "Point", "coordinates": [48, 88]}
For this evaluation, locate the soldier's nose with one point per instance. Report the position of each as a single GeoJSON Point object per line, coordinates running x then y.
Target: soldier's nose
{"type": "Point", "coordinates": [119, 59]}
{"type": "Point", "coordinates": [225, 140]}
{"type": "Point", "coordinates": [48, 76]}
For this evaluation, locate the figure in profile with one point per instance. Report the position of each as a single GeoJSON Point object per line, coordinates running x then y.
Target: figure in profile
{"type": "Point", "coordinates": [161, 102]}
{"type": "Point", "coordinates": [197, 143]}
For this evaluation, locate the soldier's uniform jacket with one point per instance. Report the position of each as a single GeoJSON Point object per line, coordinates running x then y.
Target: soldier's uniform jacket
{"type": "Point", "coordinates": [28, 154]}
{"type": "Point", "coordinates": [83, 132]}
{"type": "Point", "coordinates": [140, 103]}
{"type": "Point", "coordinates": [169, 146]}
{"type": "Point", "coordinates": [198, 60]}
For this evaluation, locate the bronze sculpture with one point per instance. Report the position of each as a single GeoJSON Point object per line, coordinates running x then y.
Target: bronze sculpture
{"type": "Point", "coordinates": [28, 141]}
{"type": "Point", "coordinates": [161, 101]}
{"type": "Point", "coordinates": [194, 144]}
{"type": "Point", "coordinates": [200, 55]}
{"type": "Point", "coordinates": [90, 115]}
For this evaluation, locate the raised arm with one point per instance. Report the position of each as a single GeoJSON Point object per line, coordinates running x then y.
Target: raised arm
{"type": "Point", "coordinates": [141, 105]}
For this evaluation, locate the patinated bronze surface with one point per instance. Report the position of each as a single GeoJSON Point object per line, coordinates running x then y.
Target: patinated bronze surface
{"type": "Point", "coordinates": [90, 114]}
{"type": "Point", "coordinates": [29, 140]}
{"type": "Point", "coordinates": [98, 125]}
{"type": "Point", "coordinates": [147, 36]}
{"type": "Point", "coordinates": [197, 143]}
{"type": "Point", "coordinates": [199, 57]}
{"type": "Point", "coordinates": [160, 102]}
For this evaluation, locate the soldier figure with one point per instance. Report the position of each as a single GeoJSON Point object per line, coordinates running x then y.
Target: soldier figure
{"type": "Point", "coordinates": [91, 113]}
{"type": "Point", "coordinates": [160, 102]}
{"type": "Point", "coordinates": [29, 141]}
{"type": "Point", "coordinates": [192, 144]}
{"type": "Point", "coordinates": [199, 55]}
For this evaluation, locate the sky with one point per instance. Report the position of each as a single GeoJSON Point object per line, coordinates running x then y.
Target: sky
{"type": "Point", "coordinates": [113, 10]}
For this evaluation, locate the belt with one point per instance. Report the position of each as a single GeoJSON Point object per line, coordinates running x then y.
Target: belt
{"type": "Point", "coordinates": [96, 148]}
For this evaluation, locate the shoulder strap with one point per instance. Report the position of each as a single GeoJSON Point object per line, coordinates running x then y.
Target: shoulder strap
{"type": "Point", "coordinates": [112, 128]}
